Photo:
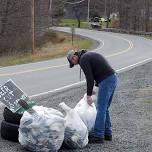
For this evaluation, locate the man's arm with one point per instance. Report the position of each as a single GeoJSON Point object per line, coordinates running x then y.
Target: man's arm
{"type": "Point", "coordinates": [85, 65]}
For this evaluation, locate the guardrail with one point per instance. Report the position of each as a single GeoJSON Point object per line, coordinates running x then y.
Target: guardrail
{"type": "Point", "coordinates": [127, 32]}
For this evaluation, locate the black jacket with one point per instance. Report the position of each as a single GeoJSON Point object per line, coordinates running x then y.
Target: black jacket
{"type": "Point", "coordinates": [95, 67]}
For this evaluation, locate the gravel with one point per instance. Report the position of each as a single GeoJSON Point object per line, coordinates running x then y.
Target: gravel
{"type": "Point", "coordinates": [131, 113]}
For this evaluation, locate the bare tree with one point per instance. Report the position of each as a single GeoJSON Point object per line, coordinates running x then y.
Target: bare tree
{"type": "Point", "coordinates": [7, 8]}
{"type": "Point", "coordinates": [57, 11]}
{"type": "Point", "coordinates": [135, 15]}
{"type": "Point", "coordinates": [147, 14]}
{"type": "Point", "coordinates": [15, 24]}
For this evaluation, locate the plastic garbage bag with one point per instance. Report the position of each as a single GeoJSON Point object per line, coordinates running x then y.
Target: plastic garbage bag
{"type": "Point", "coordinates": [44, 133]}
{"type": "Point", "coordinates": [87, 113]}
{"type": "Point", "coordinates": [76, 133]}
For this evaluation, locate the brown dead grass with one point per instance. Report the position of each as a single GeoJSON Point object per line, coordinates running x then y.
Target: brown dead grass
{"type": "Point", "coordinates": [51, 46]}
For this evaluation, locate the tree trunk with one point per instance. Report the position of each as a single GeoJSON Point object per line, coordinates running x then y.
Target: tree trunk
{"type": "Point", "coordinates": [4, 19]}
{"type": "Point", "coordinates": [147, 15]}
{"type": "Point", "coordinates": [77, 15]}
{"type": "Point", "coordinates": [79, 23]}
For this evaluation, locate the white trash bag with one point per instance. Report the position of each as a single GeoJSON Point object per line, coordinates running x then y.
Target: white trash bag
{"type": "Point", "coordinates": [87, 113]}
{"type": "Point", "coordinates": [76, 132]}
{"type": "Point", "coordinates": [44, 133]}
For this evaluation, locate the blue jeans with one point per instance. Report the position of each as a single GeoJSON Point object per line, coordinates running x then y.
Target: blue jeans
{"type": "Point", "coordinates": [106, 90]}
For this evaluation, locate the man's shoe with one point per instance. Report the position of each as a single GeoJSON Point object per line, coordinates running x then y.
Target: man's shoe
{"type": "Point", "coordinates": [96, 140]}
{"type": "Point", "coordinates": [108, 137]}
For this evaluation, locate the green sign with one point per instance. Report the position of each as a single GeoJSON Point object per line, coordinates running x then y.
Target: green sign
{"type": "Point", "coordinates": [11, 94]}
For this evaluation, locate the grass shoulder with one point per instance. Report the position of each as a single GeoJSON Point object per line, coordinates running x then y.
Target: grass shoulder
{"type": "Point", "coordinates": [73, 23]}
{"type": "Point", "coordinates": [148, 37]}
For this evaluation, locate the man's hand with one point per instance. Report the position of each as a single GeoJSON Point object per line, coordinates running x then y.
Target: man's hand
{"type": "Point", "coordinates": [89, 100]}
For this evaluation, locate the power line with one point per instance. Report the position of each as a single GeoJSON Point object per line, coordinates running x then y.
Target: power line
{"type": "Point", "coordinates": [73, 3]}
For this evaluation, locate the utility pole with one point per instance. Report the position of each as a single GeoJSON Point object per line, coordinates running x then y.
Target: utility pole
{"type": "Point", "coordinates": [33, 26]}
{"type": "Point", "coordinates": [88, 12]}
{"type": "Point", "coordinates": [106, 14]}
{"type": "Point", "coordinates": [105, 9]}
{"type": "Point", "coordinates": [50, 14]}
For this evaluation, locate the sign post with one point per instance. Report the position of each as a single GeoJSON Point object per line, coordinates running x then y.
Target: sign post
{"type": "Point", "coordinates": [72, 32]}
{"type": "Point", "coordinates": [11, 94]}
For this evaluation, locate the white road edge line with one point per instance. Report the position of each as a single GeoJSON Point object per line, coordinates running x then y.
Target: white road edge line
{"type": "Point", "coordinates": [82, 82]}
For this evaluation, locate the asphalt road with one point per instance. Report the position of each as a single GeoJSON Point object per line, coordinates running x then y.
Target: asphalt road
{"type": "Point", "coordinates": [121, 50]}
{"type": "Point", "coordinates": [131, 113]}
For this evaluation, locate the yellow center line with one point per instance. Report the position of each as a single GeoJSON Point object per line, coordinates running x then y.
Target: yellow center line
{"type": "Point", "coordinates": [131, 45]}
{"type": "Point", "coordinates": [33, 70]}
{"type": "Point", "coordinates": [59, 66]}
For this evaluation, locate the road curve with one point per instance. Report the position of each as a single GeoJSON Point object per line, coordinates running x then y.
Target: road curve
{"type": "Point", "coordinates": [121, 50]}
